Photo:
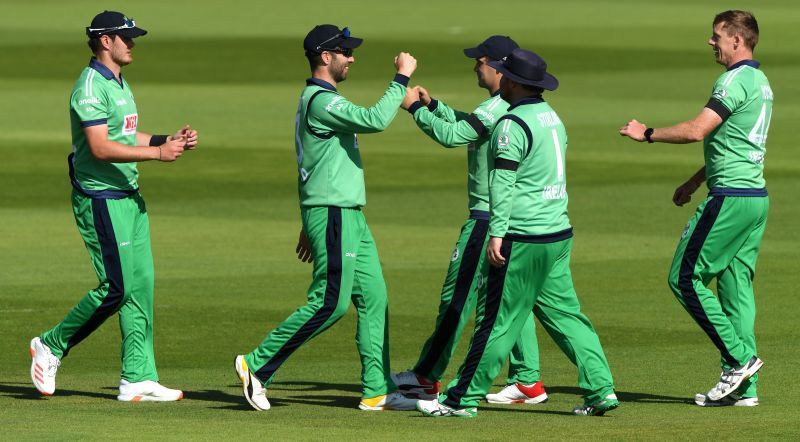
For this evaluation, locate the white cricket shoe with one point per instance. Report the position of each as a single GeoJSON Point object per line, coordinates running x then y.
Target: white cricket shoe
{"type": "Point", "coordinates": [435, 408]}
{"type": "Point", "coordinates": [412, 384]}
{"type": "Point", "coordinates": [519, 394]}
{"type": "Point", "coordinates": [253, 390]}
{"type": "Point", "coordinates": [392, 401]}
{"type": "Point", "coordinates": [731, 400]}
{"type": "Point", "coordinates": [44, 366]}
{"type": "Point", "coordinates": [147, 391]}
{"type": "Point", "coordinates": [732, 378]}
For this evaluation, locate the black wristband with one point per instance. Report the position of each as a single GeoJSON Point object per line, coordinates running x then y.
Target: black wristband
{"type": "Point", "coordinates": [648, 133]}
{"type": "Point", "coordinates": [402, 79]}
{"type": "Point", "coordinates": [158, 140]}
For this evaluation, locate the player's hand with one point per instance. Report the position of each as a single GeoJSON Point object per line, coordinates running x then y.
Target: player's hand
{"type": "Point", "coordinates": [172, 149]}
{"type": "Point", "coordinates": [412, 96]}
{"type": "Point", "coordinates": [303, 248]}
{"type": "Point", "coordinates": [190, 135]}
{"type": "Point", "coordinates": [405, 64]}
{"type": "Point", "coordinates": [424, 96]}
{"type": "Point", "coordinates": [683, 194]}
{"type": "Point", "coordinates": [493, 252]}
{"type": "Point", "coordinates": [634, 130]}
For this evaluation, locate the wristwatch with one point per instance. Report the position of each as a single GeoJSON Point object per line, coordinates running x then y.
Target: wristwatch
{"type": "Point", "coordinates": [648, 133]}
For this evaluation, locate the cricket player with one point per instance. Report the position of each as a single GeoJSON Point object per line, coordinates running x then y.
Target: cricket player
{"type": "Point", "coordinates": [111, 215]}
{"type": "Point", "coordinates": [529, 250]}
{"type": "Point", "coordinates": [331, 185]}
{"type": "Point", "coordinates": [723, 237]}
{"type": "Point", "coordinates": [452, 128]}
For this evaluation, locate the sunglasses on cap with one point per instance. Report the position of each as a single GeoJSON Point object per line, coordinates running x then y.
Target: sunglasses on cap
{"type": "Point", "coordinates": [344, 34]}
{"type": "Point", "coordinates": [127, 24]}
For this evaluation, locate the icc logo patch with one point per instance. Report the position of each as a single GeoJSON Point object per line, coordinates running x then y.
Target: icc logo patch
{"type": "Point", "coordinates": [685, 231]}
{"type": "Point", "coordinates": [455, 255]}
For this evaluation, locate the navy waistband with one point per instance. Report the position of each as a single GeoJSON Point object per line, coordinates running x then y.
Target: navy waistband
{"type": "Point", "coordinates": [723, 191]}
{"type": "Point", "coordinates": [104, 194]}
{"type": "Point", "coordinates": [479, 214]}
{"type": "Point", "coordinates": [541, 239]}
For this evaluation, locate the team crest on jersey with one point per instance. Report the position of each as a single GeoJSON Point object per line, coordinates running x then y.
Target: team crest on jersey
{"type": "Point", "coordinates": [455, 255]}
{"type": "Point", "coordinates": [129, 124]}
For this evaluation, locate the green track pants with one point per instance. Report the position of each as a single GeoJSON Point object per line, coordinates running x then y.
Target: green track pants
{"type": "Point", "coordinates": [465, 276]}
{"type": "Point", "coordinates": [722, 241]}
{"type": "Point", "coordinates": [117, 235]}
{"type": "Point", "coordinates": [536, 277]}
{"type": "Point", "coordinates": [346, 269]}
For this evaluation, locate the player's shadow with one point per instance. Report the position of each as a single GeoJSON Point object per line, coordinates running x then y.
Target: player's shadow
{"type": "Point", "coordinates": [627, 396]}
{"type": "Point", "coordinates": [314, 386]}
{"type": "Point", "coordinates": [26, 391]}
{"type": "Point", "coordinates": [238, 402]}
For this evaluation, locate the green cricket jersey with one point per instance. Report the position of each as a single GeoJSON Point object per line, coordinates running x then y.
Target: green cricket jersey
{"type": "Point", "coordinates": [329, 163]}
{"type": "Point", "coordinates": [451, 128]}
{"type": "Point", "coordinates": [527, 173]}
{"type": "Point", "coordinates": [99, 98]}
{"type": "Point", "coordinates": [735, 150]}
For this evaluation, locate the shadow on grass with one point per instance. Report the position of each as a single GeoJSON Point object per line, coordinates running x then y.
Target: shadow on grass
{"type": "Point", "coordinates": [25, 391]}
{"type": "Point", "coordinates": [628, 396]}
{"type": "Point", "coordinates": [238, 402]}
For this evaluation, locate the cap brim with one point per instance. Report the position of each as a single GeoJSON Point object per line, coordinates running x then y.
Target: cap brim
{"type": "Point", "coordinates": [131, 32]}
{"type": "Point", "coordinates": [474, 53]}
{"type": "Point", "coordinates": [350, 43]}
{"type": "Point", "coordinates": [548, 82]}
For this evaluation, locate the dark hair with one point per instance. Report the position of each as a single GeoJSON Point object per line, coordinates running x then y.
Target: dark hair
{"type": "Point", "coordinates": [533, 89]}
{"type": "Point", "coordinates": [739, 22]}
{"type": "Point", "coordinates": [314, 60]}
{"type": "Point", "coordinates": [95, 45]}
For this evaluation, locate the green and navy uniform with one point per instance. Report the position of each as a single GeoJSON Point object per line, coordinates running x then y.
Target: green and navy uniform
{"type": "Point", "coordinates": [346, 264]}
{"type": "Point", "coordinates": [723, 238]}
{"type": "Point", "coordinates": [528, 206]}
{"type": "Point", "coordinates": [452, 128]}
{"type": "Point", "coordinates": [113, 222]}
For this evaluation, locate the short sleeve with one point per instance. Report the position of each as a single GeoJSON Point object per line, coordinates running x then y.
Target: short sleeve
{"type": "Point", "coordinates": [90, 106]}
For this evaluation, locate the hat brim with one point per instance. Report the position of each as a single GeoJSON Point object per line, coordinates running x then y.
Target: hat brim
{"type": "Point", "coordinates": [548, 82]}
{"type": "Point", "coordinates": [131, 32]}
{"type": "Point", "coordinates": [474, 53]}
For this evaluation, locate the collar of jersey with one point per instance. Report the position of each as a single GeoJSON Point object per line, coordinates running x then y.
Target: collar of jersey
{"type": "Point", "coordinates": [751, 63]}
{"type": "Point", "coordinates": [320, 83]}
{"type": "Point", "coordinates": [527, 100]}
{"type": "Point", "coordinates": [104, 71]}
{"type": "Point", "coordinates": [495, 93]}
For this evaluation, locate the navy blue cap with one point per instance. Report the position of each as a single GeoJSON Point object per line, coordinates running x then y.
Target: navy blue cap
{"type": "Point", "coordinates": [526, 67]}
{"type": "Point", "coordinates": [496, 47]}
{"type": "Point", "coordinates": [113, 23]}
{"type": "Point", "coordinates": [329, 37]}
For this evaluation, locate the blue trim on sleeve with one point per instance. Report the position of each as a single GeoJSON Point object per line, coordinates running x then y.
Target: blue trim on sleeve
{"type": "Point", "coordinates": [415, 106]}
{"type": "Point", "coordinates": [433, 105]}
{"type": "Point", "coordinates": [94, 122]}
{"type": "Point", "coordinates": [479, 214]}
{"type": "Point", "coordinates": [752, 63]}
{"type": "Point", "coordinates": [321, 83]}
{"type": "Point", "coordinates": [729, 191]}
{"type": "Point", "coordinates": [402, 79]}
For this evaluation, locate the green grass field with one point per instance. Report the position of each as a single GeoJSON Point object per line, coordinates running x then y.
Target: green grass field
{"type": "Point", "coordinates": [224, 219]}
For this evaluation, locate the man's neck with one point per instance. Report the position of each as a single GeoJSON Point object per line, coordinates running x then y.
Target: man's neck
{"type": "Point", "coordinates": [324, 76]}
{"type": "Point", "coordinates": [105, 58]}
{"type": "Point", "coordinates": [739, 58]}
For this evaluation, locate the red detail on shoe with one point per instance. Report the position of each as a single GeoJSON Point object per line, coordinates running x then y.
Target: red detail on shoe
{"type": "Point", "coordinates": [180, 397]}
{"type": "Point", "coordinates": [137, 398]}
{"type": "Point", "coordinates": [433, 389]}
{"type": "Point", "coordinates": [533, 391]}
{"type": "Point", "coordinates": [38, 367]}
{"type": "Point", "coordinates": [38, 377]}
{"type": "Point", "coordinates": [46, 394]}
{"type": "Point", "coordinates": [32, 352]}
{"type": "Point", "coordinates": [429, 386]}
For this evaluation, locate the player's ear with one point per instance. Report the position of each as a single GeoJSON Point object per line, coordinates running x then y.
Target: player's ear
{"type": "Point", "coordinates": [326, 57]}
